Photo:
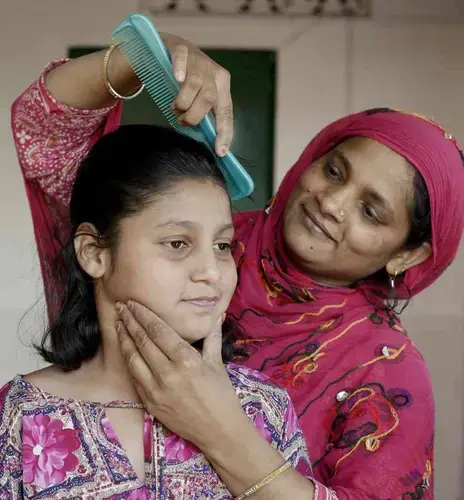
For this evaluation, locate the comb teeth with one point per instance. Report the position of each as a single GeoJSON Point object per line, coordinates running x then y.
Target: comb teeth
{"type": "Point", "coordinates": [163, 90]}
{"type": "Point", "coordinates": [157, 83]}
{"type": "Point", "coordinates": [153, 75]}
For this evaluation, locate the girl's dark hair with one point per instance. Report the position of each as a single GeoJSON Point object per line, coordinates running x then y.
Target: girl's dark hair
{"type": "Point", "coordinates": [121, 175]}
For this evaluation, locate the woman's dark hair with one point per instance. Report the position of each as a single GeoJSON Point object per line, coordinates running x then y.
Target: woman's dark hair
{"type": "Point", "coordinates": [420, 233]}
{"type": "Point", "coordinates": [121, 175]}
{"type": "Point", "coordinates": [421, 217]}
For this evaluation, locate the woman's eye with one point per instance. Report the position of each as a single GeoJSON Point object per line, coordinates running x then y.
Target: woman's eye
{"type": "Point", "coordinates": [332, 171]}
{"type": "Point", "coordinates": [370, 213]}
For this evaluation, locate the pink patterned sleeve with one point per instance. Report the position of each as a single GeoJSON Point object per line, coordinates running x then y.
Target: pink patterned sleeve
{"type": "Point", "coordinates": [321, 492]}
{"type": "Point", "coordinates": [52, 138]}
{"type": "Point", "coordinates": [10, 446]}
{"type": "Point", "coordinates": [293, 434]}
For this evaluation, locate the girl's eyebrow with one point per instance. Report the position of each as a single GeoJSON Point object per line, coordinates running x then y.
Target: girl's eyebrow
{"type": "Point", "coordinates": [190, 224]}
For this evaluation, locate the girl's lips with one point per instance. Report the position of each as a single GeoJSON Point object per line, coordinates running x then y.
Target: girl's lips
{"type": "Point", "coordinates": [203, 302]}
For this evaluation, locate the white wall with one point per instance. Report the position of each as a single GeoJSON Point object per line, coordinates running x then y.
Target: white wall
{"type": "Point", "coordinates": [418, 10]}
{"type": "Point", "coordinates": [325, 69]}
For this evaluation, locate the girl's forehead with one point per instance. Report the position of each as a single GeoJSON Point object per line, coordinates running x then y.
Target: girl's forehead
{"type": "Point", "coordinates": [190, 204]}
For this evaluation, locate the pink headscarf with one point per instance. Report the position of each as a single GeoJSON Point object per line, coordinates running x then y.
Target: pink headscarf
{"type": "Point", "coordinates": [307, 336]}
{"type": "Point", "coordinates": [427, 146]}
{"type": "Point", "coordinates": [431, 150]}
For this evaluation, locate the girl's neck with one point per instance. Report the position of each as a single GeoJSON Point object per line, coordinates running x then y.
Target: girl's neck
{"type": "Point", "coordinates": [106, 377]}
{"type": "Point", "coordinates": [103, 379]}
{"type": "Point", "coordinates": [107, 373]}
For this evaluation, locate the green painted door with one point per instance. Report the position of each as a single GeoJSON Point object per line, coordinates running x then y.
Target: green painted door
{"type": "Point", "coordinates": [253, 93]}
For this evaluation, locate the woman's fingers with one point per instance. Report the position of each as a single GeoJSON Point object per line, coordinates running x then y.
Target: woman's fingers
{"type": "Point", "coordinates": [162, 336]}
{"type": "Point", "coordinates": [205, 87]}
{"type": "Point", "coordinates": [212, 345]}
{"type": "Point", "coordinates": [134, 360]}
{"type": "Point", "coordinates": [189, 90]}
{"type": "Point", "coordinates": [203, 103]}
{"type": "Point", "coordinates": [179, 58]}
{"type": "Point", "coordinates": [223, 112]}
{"type": "Point", "coordinates": [141, 339]}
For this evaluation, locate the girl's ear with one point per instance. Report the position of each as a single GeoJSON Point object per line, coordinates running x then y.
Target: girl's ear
{"type": "Point", "coordinates": [94, 259]}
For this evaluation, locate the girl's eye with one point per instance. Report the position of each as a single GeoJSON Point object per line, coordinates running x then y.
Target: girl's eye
{"type": "Point", "coordinates": [177, 245]}
{"type": "Point", "coordinates": [223, 247]}
{"type": "Point", "coordinates": [332, 171]}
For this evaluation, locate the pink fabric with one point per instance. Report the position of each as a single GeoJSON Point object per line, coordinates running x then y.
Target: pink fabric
{"type": "Point", "coordinates": [51, 140]}
{"type": "Point", "coordinates": [329, 346]}
{"type": "Point", "coordinates": [358, 384]}
{"type": "Point", "coordinates": [432, 150]}
{"type": "Point", "coordinates": [48, 450]}
{"type": "Point", "coordinates": [52, 447]}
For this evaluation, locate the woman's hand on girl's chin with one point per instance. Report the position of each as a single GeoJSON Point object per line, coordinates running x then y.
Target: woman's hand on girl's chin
{"type": "Point", "coordinates": [187, 391]}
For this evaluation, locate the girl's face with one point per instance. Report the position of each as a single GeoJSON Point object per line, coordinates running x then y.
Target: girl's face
{"type": "Point", "coordinates": [174, 257]}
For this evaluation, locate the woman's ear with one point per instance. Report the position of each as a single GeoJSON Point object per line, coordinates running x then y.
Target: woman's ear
{"type": "Point", "coordinates": [92, 258]}
{"type": "Point", "coordinates": [406, 259]}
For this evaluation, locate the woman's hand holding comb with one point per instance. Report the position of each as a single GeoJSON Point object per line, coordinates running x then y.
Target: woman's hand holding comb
{"type": "Point", "coordinates": [205, 87]}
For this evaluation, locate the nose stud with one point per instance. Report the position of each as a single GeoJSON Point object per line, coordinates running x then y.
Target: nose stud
{"type": "Point", "coordinates": [341, 213]}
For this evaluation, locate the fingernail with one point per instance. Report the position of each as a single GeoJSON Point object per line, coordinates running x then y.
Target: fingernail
{"type": "Point", "coordinates": [223, 150]}
{"type": "Point", "coordinates": [118, 326]}
{"type": "Point", "coordinates": [130, 304]}
{"type": "Point", "coordinates": [119, 307]}
{"type": "Point", "coordinates": [180, 76]}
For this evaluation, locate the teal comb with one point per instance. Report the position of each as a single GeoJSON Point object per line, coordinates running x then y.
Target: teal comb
{"type": "Point", "coordinates": [141, 44]}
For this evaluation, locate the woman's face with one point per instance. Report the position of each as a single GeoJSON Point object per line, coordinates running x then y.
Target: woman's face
{"type": "Point", "coordinates": [349, 214]}
{"type": "Point", "coordinates": [174, 257]}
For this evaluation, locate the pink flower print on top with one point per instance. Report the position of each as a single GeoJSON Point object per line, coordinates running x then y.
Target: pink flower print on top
{"type": "Point", "coordinates": [47, 451]}
{"type": "Point", "coordinates": [177, 449]}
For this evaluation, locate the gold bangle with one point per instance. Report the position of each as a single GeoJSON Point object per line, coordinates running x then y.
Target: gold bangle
{"type": "Point", "coordinates": [264, 481]}
{"type": "Point", "coordinates": [107, 83]}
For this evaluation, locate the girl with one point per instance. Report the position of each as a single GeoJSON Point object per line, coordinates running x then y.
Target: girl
{"type": "Point", "coordinates": [150, 220]}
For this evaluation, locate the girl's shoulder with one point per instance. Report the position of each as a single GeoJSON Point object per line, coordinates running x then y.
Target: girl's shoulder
{"type": "Point", "coordinates": [257, 393]}
{"type": "Point", "coordinates": [16, 395]}
{"type": "Point", "coordinates": [243, 377]}
{"type": "Point", "coordinates": [22, 395]}
{"type": "Point", "coordinates": [271, 411]}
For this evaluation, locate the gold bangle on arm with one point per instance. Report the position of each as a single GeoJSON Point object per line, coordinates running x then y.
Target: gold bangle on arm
{"type": "Point", "coordinates": [264, 481]}
{"type": "Point", "coordinates": [107, 83]}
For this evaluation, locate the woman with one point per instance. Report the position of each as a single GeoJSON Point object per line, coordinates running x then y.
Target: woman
{"type": "Point", "coordinates": [150, 219]}
{"type": "Point", "coordinates": [383, 196]}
